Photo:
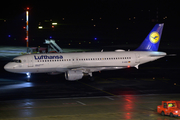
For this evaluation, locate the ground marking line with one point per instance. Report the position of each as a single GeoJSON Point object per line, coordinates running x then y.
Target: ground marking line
{"type": "Point", "coordinates": [109, 98]}
{"type": "Point", "coordinates": [81, 103]}
{"type": "Point", "coordinates": [110, 93]}
{"type": "Point", "coordinates": [98, 89]}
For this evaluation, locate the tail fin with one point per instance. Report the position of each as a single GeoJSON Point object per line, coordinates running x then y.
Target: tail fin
{"type": "Point", "coordinates": [151, 42]}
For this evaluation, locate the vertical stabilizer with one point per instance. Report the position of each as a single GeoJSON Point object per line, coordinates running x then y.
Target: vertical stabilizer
{"type": "Point", "coordinates": [151, 42]}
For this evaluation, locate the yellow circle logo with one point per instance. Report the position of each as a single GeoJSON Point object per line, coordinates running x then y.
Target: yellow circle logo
{"type": "Point", "coordinates": [154, 37]}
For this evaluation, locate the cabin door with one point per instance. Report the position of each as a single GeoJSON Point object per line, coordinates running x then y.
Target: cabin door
{"type": "Point", "coordinates": [30, 61]}
{"type": "Point", "coordinates": [137, 58]}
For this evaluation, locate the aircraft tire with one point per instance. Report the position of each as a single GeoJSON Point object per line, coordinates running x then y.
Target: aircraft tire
{"type": "Point", "coordinates": [91, 78]}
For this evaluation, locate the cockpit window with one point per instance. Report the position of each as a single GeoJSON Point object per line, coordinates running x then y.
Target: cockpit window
{"type": "Point", "coordinates": [16, 61]}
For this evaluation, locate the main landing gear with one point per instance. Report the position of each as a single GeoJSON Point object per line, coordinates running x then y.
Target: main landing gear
{"type": "Point", "coordinates": [28, 76]}
{"type": "Point", "coordinates": [91, 77]}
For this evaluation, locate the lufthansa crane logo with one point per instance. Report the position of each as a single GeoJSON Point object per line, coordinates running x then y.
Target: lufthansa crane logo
{"type": "Point", "coordinates": [154, 37]}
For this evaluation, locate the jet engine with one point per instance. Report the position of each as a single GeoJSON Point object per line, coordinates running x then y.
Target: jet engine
{"type": "Point", "coordinates": [72, 75]}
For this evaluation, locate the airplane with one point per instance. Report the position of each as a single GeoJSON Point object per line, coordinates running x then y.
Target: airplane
{"type": "Point", "coordinates": [77, 65]}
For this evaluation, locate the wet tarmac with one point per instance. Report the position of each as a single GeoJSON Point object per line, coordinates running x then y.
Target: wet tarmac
{"type": "Point", "coordinates": [120, 94]}
{"type": "Point", "coordinates": [136, 107]}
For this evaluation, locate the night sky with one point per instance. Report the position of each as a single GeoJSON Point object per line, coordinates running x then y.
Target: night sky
{"type": "Point", "coordinates": [88, 22]}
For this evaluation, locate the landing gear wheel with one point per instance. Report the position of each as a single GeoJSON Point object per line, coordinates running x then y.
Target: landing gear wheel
{"type": "Point", "coordinates": [171, 115]}
{"type": "Point", "coordinates": [28, 79]}
{"type": "Point", "coordinates": [91, 78]}
{"type": "Point", "coordinates": [162, 113]}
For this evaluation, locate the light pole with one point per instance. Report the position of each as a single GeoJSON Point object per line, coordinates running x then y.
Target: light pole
{"type": "Point", "coordinates": [27, 23]}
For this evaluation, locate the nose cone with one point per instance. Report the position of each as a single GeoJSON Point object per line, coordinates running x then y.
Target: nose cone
{"type": "Point", "coordinates": [8, 67]}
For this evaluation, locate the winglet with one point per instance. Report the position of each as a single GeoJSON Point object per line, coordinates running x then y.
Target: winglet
{"type": "Point", "coordinates": [151, 42]}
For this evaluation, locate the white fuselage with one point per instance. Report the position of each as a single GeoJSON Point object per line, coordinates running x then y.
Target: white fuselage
{"type": "Point", "coordinates": [87, 62]}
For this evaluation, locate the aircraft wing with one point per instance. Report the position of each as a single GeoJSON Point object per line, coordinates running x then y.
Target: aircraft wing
{"type": "Point", "coordinates": [96, 69]}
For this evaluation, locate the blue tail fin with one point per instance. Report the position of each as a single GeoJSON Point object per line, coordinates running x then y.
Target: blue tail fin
{"type": "Point", "coordinates": [151, 42]}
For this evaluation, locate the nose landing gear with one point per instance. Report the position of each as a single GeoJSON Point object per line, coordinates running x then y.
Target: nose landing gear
{"type": "Point", "coordinates": [28, 76]}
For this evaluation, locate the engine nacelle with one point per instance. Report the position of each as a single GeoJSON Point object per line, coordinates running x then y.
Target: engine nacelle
{"type": "Point", "coordinates": [73, 75]}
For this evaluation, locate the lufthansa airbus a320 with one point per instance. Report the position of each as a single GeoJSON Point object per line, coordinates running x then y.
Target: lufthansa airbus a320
{"type": "Point", "coordinates": [76, 65]}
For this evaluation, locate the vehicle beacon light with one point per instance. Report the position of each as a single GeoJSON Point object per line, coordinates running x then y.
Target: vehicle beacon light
{"type": "Point", "coordinates": [171, 108]}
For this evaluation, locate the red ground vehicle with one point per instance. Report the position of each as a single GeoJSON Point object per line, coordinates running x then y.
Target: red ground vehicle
{"type": "Point", "coordinates": [171, 108]}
